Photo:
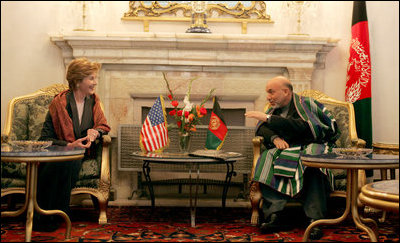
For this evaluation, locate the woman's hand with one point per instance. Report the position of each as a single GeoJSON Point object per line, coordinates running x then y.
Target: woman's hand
{"type": "Point", "coordinates": [92, 134]}
{"type": "Point", "coordinates": [81, 142]}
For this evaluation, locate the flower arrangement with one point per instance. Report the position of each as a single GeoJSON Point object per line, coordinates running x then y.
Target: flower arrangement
{"type": "Point", "coordinates": [188, 116]}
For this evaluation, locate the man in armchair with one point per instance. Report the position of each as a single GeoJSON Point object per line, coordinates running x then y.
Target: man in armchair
{"type": "Point", "coordinates": [292, 125]}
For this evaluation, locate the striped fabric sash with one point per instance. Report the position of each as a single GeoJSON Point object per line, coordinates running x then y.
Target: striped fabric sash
{"type": "Point", "coordinates": [269, 173]}
{"type": "Point", "coordinates": [287, 162]}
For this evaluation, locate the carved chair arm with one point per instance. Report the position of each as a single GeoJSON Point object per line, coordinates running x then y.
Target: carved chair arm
{"type": "Point", "coordinates": [4, 138]}
{"type": "Point", "coordinates": [358, 143]}
{"type": "Point", "coordinates": [257, 141]}
{"type": "Point", "coordinates": [106, 140]}
{"type": "Point", "coordinates": [105, 164]}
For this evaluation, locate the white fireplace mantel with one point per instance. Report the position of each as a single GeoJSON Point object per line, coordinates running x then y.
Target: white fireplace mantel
{"type": "Point", "coordinates": [299, 54]}
{"type": "Point", "coordinates": [238, 65]}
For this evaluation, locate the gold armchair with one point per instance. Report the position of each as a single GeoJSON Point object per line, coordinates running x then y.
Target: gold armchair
{"type": "Point", "coordinates": [344, 115]}
{"type": "Point", "coordinates": [24, 121]}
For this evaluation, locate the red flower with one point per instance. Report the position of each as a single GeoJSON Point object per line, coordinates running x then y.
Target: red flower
{"type": "Point", "coordinates": [174, 103]}
{"type": "Point", "coordinates": [170, 97]}
{"type": "Point", "coordinates": [180, 113]}
{"type": "Point", "coordinates": [179, 123]}
{"type": "Point", "coordinates": [186, 114]}
{"type": "Point", "coordinates": [172, 113]}
{"type": "Point", "coordinates": [203, 111]}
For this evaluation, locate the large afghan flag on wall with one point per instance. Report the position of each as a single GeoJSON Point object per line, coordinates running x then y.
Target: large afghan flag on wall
{"type": "Point", "coordinates": [358, 86]}
{"type": "Point", "coordinates": [217, 129]}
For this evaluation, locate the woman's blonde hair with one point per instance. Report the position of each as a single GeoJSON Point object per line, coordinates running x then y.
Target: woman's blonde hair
{"type": "Point", "coordinates": [78, 69]}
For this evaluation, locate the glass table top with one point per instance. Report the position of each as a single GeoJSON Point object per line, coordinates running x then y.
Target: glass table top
{"type": "Point", "coordinates": [387, 186]}
{"type": "Point", "coordinates": [369, 159]}
{"type": "Point", "coordinates": [180, 157]}
{"type": "Point", "coordinates": [54, 150]}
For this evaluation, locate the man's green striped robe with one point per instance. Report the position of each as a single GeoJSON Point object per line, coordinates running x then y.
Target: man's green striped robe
{"type": "Point", "coordinates": [282, 169]}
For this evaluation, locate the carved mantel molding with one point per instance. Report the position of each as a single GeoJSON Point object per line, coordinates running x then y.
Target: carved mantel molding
{"type": "Point", "coordinates": [300, 55]}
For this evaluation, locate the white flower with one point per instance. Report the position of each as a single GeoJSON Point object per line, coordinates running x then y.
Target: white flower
{"type": "Point", "coordinates": [188, 106]}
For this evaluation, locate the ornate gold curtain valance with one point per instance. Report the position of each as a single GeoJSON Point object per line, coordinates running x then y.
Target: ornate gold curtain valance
{"type": "Point", "coordinates": [248, 12]}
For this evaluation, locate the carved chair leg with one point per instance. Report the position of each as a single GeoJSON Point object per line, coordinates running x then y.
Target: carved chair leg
{"type": "Point", "coordinates": [255, 198]}
{"type": "Point", "coordinates": [103, 203]}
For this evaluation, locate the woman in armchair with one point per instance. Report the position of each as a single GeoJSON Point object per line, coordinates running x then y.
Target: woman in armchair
{"type": "Point", "coordinates": [74, 119]}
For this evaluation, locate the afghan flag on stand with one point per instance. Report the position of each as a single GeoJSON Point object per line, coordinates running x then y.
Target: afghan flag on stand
{"type": "Point", "coordinates": [217, 129]}
{"type": "Point", "coordinates": [358, 81]}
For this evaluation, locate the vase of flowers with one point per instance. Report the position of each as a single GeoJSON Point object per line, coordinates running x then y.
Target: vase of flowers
{"type": "Point", "coordinates": [184, 141]}
{"type": "Point", "coordinates": [188, 116]}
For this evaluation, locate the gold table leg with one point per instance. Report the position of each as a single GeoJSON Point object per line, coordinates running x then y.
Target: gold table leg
{"type": "Point", "coordinates": [351, 203]}
{"type": "Point", "coordinates": [354, 210]}
{"type": "Point", "coordinates": [193, 207]}
{"type": "Point", "coordinates": [333, 221]}
{"type": "Point", "coordinates": [31, 204]}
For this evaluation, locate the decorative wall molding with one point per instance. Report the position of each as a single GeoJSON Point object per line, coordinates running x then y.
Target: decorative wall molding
{"type": "Point", "coordinates": [173, 11]}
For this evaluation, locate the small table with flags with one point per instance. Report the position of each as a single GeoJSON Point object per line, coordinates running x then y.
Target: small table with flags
{"type": "Point", "coordinates": [190, 162]}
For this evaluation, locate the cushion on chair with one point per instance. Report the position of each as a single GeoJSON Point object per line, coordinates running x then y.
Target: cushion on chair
{"type": "Point", "coordinates": [37, 110]}
{"type": "Point", "coordinates": [91, 183]}
{"type": "Point", "coordinates": [20, 121]}
{"type": "Point", "coordinates": [12, 182]}
{"type": "Point", "coordinates": [11, 170]}
{"type": "Point", "coordinates": [91, 167]}
{"type": "Point", "coordinates": [340, 176]}
{"type": "Point", "coordinates": [13, 174]}
{"type": "Point", "coordinates": [341, 115]}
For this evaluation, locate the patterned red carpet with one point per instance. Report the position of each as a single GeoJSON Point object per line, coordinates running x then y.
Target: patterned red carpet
{"type": "Point", "coordinates": [165, 224]}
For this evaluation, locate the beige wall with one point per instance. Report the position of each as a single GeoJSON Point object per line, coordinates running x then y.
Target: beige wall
{"type": "Point", "coordinates": [30, 61]}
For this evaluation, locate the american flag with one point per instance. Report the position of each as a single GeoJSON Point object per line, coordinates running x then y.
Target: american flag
{"type": "Point", "coordinates": [154, 134]}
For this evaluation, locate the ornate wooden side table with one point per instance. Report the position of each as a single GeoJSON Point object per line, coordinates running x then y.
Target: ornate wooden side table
{"type": "Point", "coordinates": [32, 160]}
{"type": "Point", "coordinates": [352, 164]}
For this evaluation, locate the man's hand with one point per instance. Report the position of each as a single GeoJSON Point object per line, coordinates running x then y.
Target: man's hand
{"type": "Point", "coordinates": [261, 116]}
{"type": "Point", "coordinates": [280, 143]}
{"type": "Point", "coordinates": [81, 142]}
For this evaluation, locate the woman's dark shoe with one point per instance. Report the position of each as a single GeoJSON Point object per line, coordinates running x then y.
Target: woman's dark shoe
{"type": "Point", "coordinates": [43, 223]}
{"type": "Point", "coordinates": [46, 227]}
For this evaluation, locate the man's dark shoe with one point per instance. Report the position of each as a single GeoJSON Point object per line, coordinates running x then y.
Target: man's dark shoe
{"type": "Point", "coordinates": [316, 232]}
{"type": "Point", "coordinates": [270, 225]}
